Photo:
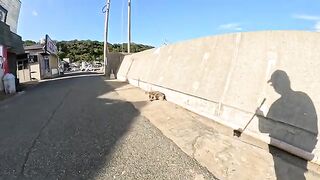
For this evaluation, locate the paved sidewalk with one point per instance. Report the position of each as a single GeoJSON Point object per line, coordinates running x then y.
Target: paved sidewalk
{"type": "Point", "coordinates": [213, 145]}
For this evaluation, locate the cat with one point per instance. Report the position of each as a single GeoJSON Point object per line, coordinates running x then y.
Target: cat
{"type": "Point", "coordinates": [156, 95]}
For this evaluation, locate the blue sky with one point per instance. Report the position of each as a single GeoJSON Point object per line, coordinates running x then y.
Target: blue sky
{"type": "Point", "coordinates": [156, 22]}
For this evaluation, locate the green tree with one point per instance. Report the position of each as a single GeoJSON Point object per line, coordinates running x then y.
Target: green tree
{"type": "Point", "coordinates": [29, 43]}
{"type": "Point", "coordinates": [87, 50]}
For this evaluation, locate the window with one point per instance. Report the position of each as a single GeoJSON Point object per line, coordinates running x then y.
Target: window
{"type": "Point", "coordinates": [23, 64]}
{"type": "Point", "coordinates": [46, 63]}
{"type": "Point", "coordinates": [33, 58]}
{"type": "Point", "coordinates": [3, 14]}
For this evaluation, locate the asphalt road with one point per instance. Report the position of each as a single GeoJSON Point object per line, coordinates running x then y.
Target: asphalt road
{"type": "Point", "coordinates": [79, 128]}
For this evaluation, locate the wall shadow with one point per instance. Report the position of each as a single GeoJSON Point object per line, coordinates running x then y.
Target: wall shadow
{"type": "Point", "coordinates": [114, 61]}
{"type": "Point", "coordinates": [66, 129]}
{"type": "Point", "coordinates": [292, 119]}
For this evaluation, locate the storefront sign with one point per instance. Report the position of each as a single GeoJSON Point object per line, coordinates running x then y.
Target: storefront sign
{"type": "Point", "coordinates": [3, 14]}
{"type": "Point", "coordinates": [50, 46]}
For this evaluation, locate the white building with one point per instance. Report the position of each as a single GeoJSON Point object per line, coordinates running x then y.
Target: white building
{"type": "Point", "coordinates": [11, 44]}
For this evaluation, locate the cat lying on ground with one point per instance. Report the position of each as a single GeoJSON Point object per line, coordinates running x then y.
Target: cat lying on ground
{"type": "Point", "coordinates": [156, 95]}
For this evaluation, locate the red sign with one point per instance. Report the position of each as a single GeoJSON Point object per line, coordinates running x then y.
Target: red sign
{"type": "Point", "coordinates": [4, 55]}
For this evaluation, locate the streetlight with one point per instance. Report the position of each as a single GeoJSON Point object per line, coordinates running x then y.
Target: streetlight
{"type": "Point", "coordinates": [106, 9]}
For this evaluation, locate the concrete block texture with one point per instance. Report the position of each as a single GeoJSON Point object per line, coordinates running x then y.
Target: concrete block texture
{"type": "Point", "coordinates": [226, 78]}
{"type": "Point", "coordinates": [13, 8]}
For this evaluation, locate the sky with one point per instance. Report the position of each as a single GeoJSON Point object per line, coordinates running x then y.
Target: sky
{"type": "Point", "coordinates": [158, 22]}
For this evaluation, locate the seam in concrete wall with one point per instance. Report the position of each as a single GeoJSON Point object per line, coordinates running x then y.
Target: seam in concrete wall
{"type": "Point", "coordinates": [230, 72]}
{"type": "Point", "coordinates": [131, 62]}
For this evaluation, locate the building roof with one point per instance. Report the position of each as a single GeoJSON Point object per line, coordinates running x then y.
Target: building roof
{"type": "Point", "coordinates": [34, 47]}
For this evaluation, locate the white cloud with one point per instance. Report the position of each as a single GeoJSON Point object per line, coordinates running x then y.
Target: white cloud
{"type": "Point", "coordinates": [317, 26]}
{"type": "Point", "coordinates": [306, 17]}
{"type": "Point", "coordinates": [231, 26]}
{"type": "Point", "coordinates": [34, 13]}
{"type": "Point", "coordinates": [312, 18]}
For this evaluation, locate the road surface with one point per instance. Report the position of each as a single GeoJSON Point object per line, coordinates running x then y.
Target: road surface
{"type": "Point", "coordinates": [79, 128]}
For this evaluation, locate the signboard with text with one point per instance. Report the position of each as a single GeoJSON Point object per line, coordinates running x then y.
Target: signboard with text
{"type": "Point", "coordinates": [50, 46]}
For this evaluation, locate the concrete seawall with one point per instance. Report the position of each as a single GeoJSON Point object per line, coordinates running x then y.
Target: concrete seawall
{"type": "Point", "coordinates": [226, 78]}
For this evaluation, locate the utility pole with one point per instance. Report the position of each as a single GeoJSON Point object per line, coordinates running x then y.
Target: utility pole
{"type": "Point", "coordinates": [105, 52]}
{"type": "Point", "coordinates": [129, 25]}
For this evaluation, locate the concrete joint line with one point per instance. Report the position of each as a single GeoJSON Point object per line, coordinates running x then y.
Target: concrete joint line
{"type": "Point", "coordinates": [132, 60]}
{"type": "Point", "coordinates": [231, 70]}
{"type": "Point", "coordinates": [40, 132]}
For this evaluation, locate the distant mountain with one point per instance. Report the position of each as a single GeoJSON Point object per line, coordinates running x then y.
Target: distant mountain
{"type": "Point", "coordinates": [88, 50]}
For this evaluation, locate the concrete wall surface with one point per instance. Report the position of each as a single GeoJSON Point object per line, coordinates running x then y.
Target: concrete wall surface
{"type": "Point", "coordinates": [13, 8]}
{"type": "Point", "coordinates": [227, 77]}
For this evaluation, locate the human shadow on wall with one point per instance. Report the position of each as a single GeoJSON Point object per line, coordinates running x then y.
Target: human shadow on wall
{"type": "Point", "coordinates": [292, 119]}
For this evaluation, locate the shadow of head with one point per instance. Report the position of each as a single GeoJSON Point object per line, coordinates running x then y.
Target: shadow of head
{"type": "Point", "coordinates": [280, 82]}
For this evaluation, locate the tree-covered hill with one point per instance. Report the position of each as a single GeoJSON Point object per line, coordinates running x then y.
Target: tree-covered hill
{"type": "Point", "coordinates": [87, 50]}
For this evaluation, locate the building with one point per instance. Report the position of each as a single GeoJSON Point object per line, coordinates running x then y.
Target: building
{"type": "Point", "coordinates": [11, 44]}
{"type": "Point", "coordinates": [43, 60]}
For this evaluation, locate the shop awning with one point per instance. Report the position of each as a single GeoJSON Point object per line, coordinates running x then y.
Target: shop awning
{"type": "Point", "coordinates": [11, 40]}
